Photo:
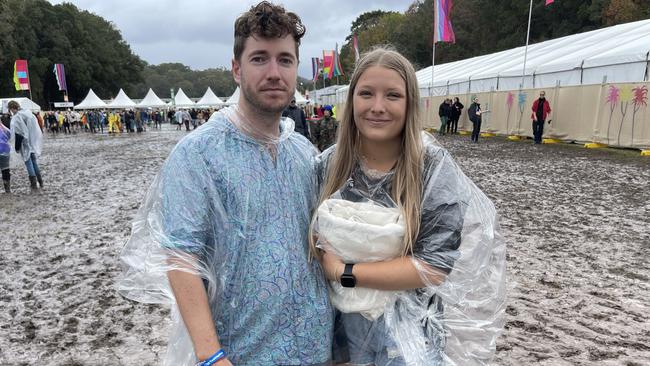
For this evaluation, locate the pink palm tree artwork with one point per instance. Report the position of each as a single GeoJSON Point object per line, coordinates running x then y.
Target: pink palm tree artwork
{"type": "Point", "coordinates": [639, 100]}
{"type": "Point", "coordinates": [613, 97]}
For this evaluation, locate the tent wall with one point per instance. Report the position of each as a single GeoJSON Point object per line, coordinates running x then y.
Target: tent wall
{"type": "Point", "coordinates": [614, 114]}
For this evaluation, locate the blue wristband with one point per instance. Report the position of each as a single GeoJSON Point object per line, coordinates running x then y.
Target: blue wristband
{"type": "Point", "coordinates": [218, 356]}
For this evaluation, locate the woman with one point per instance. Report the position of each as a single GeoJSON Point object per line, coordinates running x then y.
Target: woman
{"type": "Point", "coordinates": [395, 215]}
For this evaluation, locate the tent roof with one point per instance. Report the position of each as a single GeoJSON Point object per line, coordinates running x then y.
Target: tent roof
{"type": "Point", "coordinates": [300, 99]}
{"type": "Point", "coordinates": [91, 101]}
{"type": "Point", "coordinates": [614, 45]}
{"type": "Point", "coordinates": [234, 98]}
{"type": "Point", "coordinates": [209, 99]}
{"type": "Point", "coordinates": [182, 101]}
{"type": "Point", "coordinates": [151, 100]}
{"type": "Point", "coordinates": [25, 103]}
{"type": "Point", "coordinates": [121, 101]}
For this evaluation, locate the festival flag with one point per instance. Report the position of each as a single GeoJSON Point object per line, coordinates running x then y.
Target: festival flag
{"type": "Point", "coordinates": [328, 64]}
{"type": "Point", "coordinates": [355, 44]}
{"type": "Point", "coordinates": [21, 75]}
{"type": "Point", "coordinates": [549, 2]}
{"type": "Point", "coordinates": [59, 72]}
{"type": "Point", "coordinates": [442, 29]}
{"type": "Point", "coordinates": [315, 67]}
{"type": "Point", "coordinates": [338, 69]}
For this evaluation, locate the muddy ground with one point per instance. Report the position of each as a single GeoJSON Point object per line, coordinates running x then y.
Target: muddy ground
{"type": "Point", "coordinates": [576, 223]}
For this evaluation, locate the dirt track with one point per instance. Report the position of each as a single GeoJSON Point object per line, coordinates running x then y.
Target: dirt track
{"type": "Point", "coordinates": [576, 222]}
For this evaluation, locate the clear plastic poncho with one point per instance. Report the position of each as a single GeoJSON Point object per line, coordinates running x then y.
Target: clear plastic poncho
{"type": "Point", "coordinates": [233, 207]}
{"type": "Point", "coordinates": [455, 322]}
{"type": "Point", "coordinates": [25, 124]}
{"type": "Point", "coordinates": [6, 142]}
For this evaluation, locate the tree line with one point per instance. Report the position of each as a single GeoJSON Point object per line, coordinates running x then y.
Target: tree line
{"type": "Point", "coordinates": [96, 56]}
{"type": "Point", "coordinates": [483, 26]}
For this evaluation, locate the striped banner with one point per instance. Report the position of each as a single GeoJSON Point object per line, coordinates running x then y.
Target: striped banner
{"type": "Point", "coordinates": [21, 75]}
{"type": "Point", "coordinates": [442, 29]}
{"type": "Point", "coordinates": [59, 72]}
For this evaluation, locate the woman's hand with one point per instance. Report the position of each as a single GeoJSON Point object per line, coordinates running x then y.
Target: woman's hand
{"type": "Point", "coordinates": [333, 266]}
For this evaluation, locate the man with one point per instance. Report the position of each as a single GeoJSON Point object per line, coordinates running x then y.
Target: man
{"type": "Point", "coordinates": [475, 115]}
{"type": "Point", "coordinates": [29, 140]}
{"type": "Point", "coordinates": [325, 129]}
{"type": "Point", "coordinates": [444, 111]}
{"type": "Point", "coordinates": [298, 117]}
{"type": "Point", "coordinates": [234, 201]}
{"type": "Point", "coordinates": [541, 111]}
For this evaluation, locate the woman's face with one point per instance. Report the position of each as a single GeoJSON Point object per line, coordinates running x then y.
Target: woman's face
{"type": "Point", "coordinates": [379, 104]}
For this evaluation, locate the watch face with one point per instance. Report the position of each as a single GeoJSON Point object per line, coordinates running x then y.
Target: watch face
{"type": "Point", "coordinates": [348, 281]}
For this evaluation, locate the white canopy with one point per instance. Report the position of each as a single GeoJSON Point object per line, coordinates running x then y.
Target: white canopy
{"type": "Point", "coordinates": [25, 103]}
{"type": "Point", "coordinates": [91, 101]}
{"type": "Point", "coordinates": [234, 98]}
{"type": "Point", "coordinates": [300, 99]}
{"type": "Point", "coordinates": [182, 101]}
{"type": "Point", "coordinates": [151, 100]}
{"type": "Point", "coordinates": [121, 101]}
{"type": "Point", "coordinates": [619, 53]}
{"type": "Point", "coordinates": [209, 99]}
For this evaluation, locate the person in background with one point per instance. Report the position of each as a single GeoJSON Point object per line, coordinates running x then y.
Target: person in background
{"type": "Point", "coordinates": [29, 141]}
{"type": "Point", "coordinates": [298, 116]}
{"type": "Point", "coordinates": [541, 111]}
{"type": "Point", "coordinates": [456, 112]}
{"type": "Point", "coordinates": [325, 129]}
{"type": "Point", "coordinates": [5, 156]}
{"type": "Point", "coordinates": [475, 115]}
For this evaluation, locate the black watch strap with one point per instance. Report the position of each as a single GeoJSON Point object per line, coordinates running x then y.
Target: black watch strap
{"type": "Point", "coordinates": [347, 278]}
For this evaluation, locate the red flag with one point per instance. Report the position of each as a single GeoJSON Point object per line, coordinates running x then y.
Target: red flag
{"type": "Point", "coordinates": [355, 44]}
{"type": "Point", "coordinates": [549, 2]}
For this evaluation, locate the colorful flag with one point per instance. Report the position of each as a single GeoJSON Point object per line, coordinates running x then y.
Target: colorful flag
{"type": "Point", "coordinates": [21, 75]}
{"type": "Point", "coordinates": [355, 44]}
{"type": "Point", "coordinates": [442, 29]}
{"type": "Point", "coordinates": [315, 67]}
{"type": "Point", "coordinates": [59, 72]}
{"type": "Point", "coordinates": [549, 2]}
{"type": "Point", "coordinates": [338, 69]}
{"type": "Point", "coordinates": [328, 64]}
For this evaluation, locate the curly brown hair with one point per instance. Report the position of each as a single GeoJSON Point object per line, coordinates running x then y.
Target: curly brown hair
{"type": "Point", "coordinates": [268, 21]}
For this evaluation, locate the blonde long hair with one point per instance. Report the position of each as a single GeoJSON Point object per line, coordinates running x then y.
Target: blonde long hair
{"type": "Point", "coordinates": [407, 180]}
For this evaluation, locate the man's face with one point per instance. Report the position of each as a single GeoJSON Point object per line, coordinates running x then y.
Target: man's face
{"type": "Point", "coordinates": [267, 73]}
{"type": "Point", "coordinates": [542, 95]}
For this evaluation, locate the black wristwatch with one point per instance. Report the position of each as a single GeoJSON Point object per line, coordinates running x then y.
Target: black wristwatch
{"type": "Point", "coordinates": [347, 278]}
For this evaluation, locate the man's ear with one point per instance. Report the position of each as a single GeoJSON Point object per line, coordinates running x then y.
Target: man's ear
{"type": "Point", "coordinates": [236, 71]}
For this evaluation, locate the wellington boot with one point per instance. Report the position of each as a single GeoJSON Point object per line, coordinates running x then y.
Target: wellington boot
{"type": "Point", "coordinates": [33, 185]}
{"type": "Point", "coordinates": [40, 180]}
{"type": "Point", "coordinates": [7, 185]}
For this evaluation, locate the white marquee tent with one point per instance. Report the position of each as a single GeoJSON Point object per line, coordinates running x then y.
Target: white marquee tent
{"type": "Point", "coordinates": [300, 99]}
{"type": "Point", "coordinates": [121, 101]}
{"type": "Point", "coordinates": [182, 101]}
{"type": "Point", "coordinates": [25, 103]}
{"type": "Point", "coordinates": [151, 100]}
{"type": "Point", "coordinates": [619, 53]}
{"type": "Point", "coordinates": [91, 101]}
{"type": "Point", "coordinates": [209, 99]}
{"type": "Point", "coordinates": [234, 98]}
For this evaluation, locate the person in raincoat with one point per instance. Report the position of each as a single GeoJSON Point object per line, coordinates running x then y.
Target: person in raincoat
{"type": "Point", "coordinates": [410, 245]}
{"type": "Point", "coordinates": [223, 231]}
{"type": "Point", "coordinates": [28, 141]}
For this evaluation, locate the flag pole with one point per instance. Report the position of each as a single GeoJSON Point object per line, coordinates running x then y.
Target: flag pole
{"type": "Point", "coordinates": [29, 83]}
{"type": "Point", "coordinates": [523, 72]}
{"type": "Point", "coordinates": [433, 56]}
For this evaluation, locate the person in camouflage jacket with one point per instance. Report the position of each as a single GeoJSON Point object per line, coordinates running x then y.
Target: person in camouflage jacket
{"type": "Point", "coordinates": [324, 135]}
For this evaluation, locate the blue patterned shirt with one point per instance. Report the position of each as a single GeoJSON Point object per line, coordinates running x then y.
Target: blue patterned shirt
{"type": "Point", "coordinates": [246, 216]}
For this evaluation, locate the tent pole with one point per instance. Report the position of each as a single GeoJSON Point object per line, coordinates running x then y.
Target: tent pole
{"type": "Point", "coordinates": [523, 73]}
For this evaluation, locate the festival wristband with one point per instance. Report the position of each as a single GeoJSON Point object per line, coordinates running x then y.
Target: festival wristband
{"type": "Point", "coordinates": [221, 354]}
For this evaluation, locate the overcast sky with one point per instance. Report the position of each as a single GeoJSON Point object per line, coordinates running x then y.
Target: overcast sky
{"type": "Point", "coordinates": [199, 33]}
